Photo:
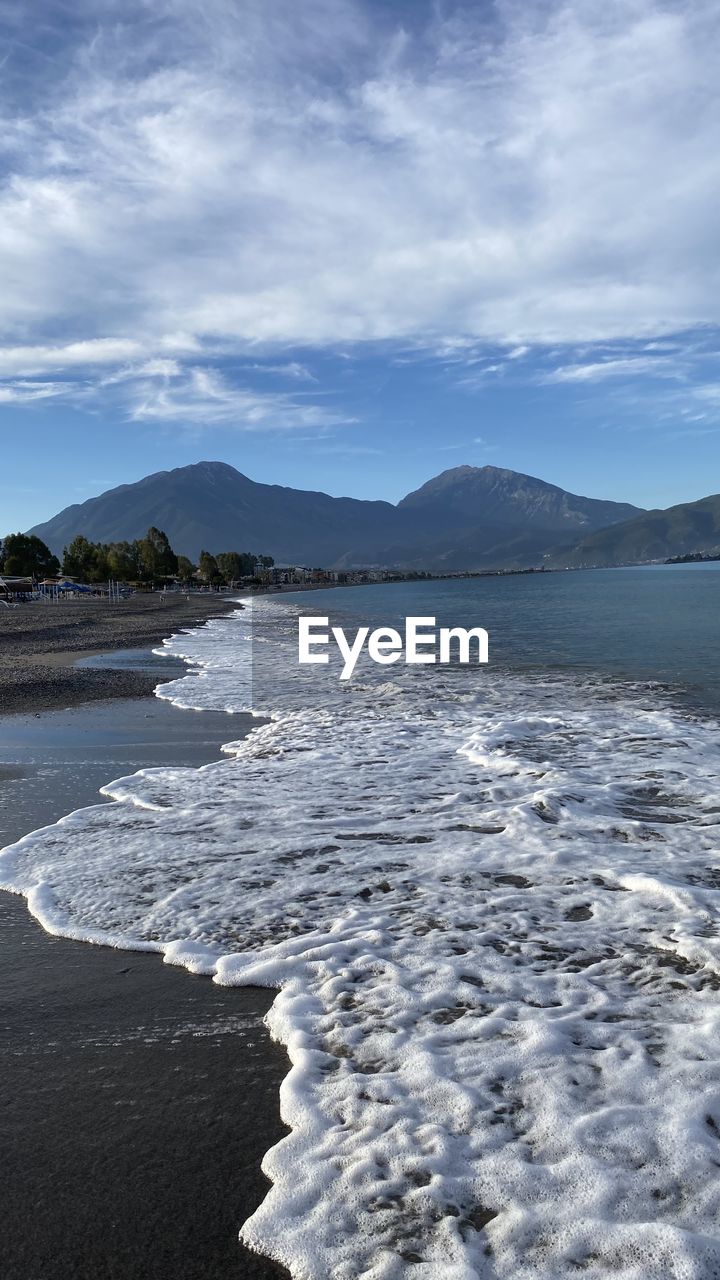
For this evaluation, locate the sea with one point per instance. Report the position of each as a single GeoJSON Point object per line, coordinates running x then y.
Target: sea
{"type": "Point", "coordinates": [487, 896]}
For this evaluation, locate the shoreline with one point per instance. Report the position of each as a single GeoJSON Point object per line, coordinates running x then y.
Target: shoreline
{"type": "Point", "coordinates": [40, 642]}
{"type": "Point", "coordinates": [140, 1099]}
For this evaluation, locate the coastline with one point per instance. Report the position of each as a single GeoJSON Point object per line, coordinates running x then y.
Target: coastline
{"type": "Point", "coordinates": [140, 1099]}
{"type": "Point", "coordinates": [40, 642]}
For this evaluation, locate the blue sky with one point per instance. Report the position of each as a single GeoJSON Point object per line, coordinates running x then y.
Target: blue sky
{"type": "Point", "coordinates": [348, 244]}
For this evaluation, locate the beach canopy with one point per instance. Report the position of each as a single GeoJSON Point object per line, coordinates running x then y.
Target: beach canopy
{"type": "Point", "coordinates": [72, 586]}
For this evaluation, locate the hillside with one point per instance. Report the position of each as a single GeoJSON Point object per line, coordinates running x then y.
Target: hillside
{"type": "Point", "coordinates": [469, 517]}
{"type": "Point", "coordinates": [655, 535]}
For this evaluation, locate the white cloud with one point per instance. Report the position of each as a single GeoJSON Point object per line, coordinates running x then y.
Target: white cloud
{"type": "Point", "coordinates": [180, 180]}
{"type": "Point", "coordinates": [158, 367]}
{"type": "Point", "coordinates": [20, 393]}
{"type": "Point", "coordinates": [205, 397]}
{"type": "Point", "coordinates": [625, 367]}
{"type": "Point", "coordinates": [166, 390]}
{"type": "Point", "coordinates": [71, 355]}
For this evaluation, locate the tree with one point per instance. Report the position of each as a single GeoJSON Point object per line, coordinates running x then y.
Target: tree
{"type": "Point", "coordinates": [123, 560]}
{"type": "Point", "coordinates": [230, 565]}
{"type": "Point", "coordinates": [240, 564]}
{"type": "Point", "coordinates": [249, 561]}
{"type": "Point", "coordinates": [25, 555]}
{"type": "Point", "coordinates": [186, 568]}
{"type": "Point", "coordinates": [208, 567]}
{"type": "Point", "coordinates": [157, 558]}
{"type": "Point", "coordinates": [80, 559]}
{"type": "Point", "coordinates": [101, 567]}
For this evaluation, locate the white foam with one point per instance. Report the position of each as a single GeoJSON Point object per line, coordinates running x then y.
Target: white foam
{"type": "Point", "coordinates": [490, 905]}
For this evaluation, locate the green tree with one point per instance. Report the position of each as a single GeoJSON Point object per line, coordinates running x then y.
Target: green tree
{"type": "Point", "coordinates": [123, 560]}
{"type": "Point", "coordinates": [208, 567]}
{"type": "Point", "coordinates": [186, 568]}
{"type": "Point", "coordinates": [230, 565]}
{"type": "Point", "coordinates": [80, 559]}
{"type": "Point", "coordinates": [25, 555]}
{"type": "Point", "coordinates": [249, 560]}
{"type": "Point", "coordinates": [157, 558]}
{"type": "Point", "coordinates": [101, 567]}
{"type": "Point", "coordinates": [267, 562]}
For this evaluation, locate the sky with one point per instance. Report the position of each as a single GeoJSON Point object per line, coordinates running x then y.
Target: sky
{"type": "Point", "coordinates": [347, 244]}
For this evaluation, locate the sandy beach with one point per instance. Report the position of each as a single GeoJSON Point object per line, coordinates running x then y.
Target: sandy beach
{"type": "Point", "coordinates": [40, 642]}
{"type": "Point", "coordinates": [138, 1103]}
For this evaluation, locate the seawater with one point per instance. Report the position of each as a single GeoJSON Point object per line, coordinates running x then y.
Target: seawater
{"type": "Point", "coordinates": [488, 899]}
{"type": "Point", "coordinates": [658, 623]}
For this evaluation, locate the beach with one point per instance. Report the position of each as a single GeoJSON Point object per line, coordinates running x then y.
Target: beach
{"type": "Point", "coordinates": [138, 1100]}
{"type": "Point", "coordinates": [39, 643]}
{"type": "Point", "coordinates": [138, 1103]}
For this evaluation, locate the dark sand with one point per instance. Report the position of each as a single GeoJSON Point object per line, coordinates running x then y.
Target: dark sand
{"type": "Point", "coordinates": [40, 642]}
{"type": "Point", "coordinates": [137, 1104]}
{"type": "Point", "coordinates": [137, 1101]}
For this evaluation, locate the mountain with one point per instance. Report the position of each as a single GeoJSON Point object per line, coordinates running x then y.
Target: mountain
{"type": "Point", "coordinates": [468, 517]}
{"type": "Point", "coordinates": [508, 499]}
{"type": "Point", "coordinates": [655, 535]}
{"type": "Point", "coordinates": [211, 506]}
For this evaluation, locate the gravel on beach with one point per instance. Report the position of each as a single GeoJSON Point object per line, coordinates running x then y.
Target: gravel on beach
{"type": "Point", "coordinates": [39, 643]}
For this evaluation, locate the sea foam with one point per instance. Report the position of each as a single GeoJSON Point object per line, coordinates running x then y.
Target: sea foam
{"type": "Point", "coordinates": [489, 903]}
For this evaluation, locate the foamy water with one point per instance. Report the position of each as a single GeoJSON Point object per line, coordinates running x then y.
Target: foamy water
{"type": "Point", "coordinates": [489, 903]}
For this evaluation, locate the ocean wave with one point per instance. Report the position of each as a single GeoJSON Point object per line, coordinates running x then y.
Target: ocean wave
{"type": "Point", "coordinates": [489, 903]}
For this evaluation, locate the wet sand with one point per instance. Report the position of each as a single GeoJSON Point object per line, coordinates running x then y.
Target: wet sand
{"type": "Point", "coordinates": [137, 1104]}
{"type": "Point", "coordinates": [39, 643]}
{"type": "Point", "coordinates": [137, 1099]}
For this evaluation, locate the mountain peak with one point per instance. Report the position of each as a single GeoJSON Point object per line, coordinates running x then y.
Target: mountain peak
{"type": "Point", "coordinates": [206, 468]}
{"type": "Point", "coordinates": [469, 495]}
{"type": "Point", "coordinates": [465, 469]}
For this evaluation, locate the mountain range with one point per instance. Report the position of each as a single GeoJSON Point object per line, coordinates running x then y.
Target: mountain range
{"type": "Point", "coordinates": [465, 518]}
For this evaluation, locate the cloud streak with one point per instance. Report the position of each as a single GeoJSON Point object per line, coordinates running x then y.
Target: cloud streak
{"type": "Point", "coordinates": [203, 396]}
{"type": "Point", "coordinates": [625, 367]}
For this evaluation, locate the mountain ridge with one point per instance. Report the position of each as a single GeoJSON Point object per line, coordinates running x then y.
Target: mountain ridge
{"type": "Point", "coordinates": [466, 517]}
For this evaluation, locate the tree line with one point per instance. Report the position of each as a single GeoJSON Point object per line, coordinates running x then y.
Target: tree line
{"type": "Point", "coordinates": [147, 560]}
